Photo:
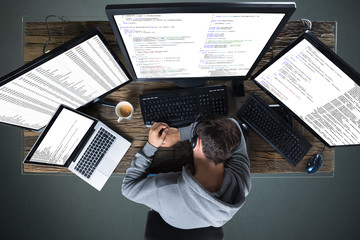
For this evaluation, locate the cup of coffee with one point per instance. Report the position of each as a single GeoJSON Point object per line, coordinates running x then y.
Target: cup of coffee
{"type": "Point", "coordinates": [124, 110]}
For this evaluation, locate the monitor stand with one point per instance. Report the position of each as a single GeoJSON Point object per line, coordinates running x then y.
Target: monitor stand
{"type": "Point", "coordinates": [238, 88]}
{"type": "Point", "coordinates": [105, 103]}
{"type": "Point", "coordinates": [99, 102]}
{"type": "Point", "coordinates": [189, 84]}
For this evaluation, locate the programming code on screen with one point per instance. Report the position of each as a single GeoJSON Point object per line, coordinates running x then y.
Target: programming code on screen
{"type": "Point", "coordinates": [195, 45]}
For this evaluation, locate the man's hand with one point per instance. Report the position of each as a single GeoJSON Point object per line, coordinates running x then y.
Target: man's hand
{"type": "Point", "coordinates": [157, 134]}
{"type": "Point", "coordinates": [172, 137]}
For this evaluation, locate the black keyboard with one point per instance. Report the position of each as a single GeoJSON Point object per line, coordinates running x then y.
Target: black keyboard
{"type": "Point", "coordinates": [95, 152]}
{"type": "Point", "coordinates": [275, 130]}
{"type": "Point", "coordinates": [182, 107]}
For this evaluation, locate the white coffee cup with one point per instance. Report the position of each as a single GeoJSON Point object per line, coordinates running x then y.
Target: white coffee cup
{"type": "Point", "coordinates": [124, 110]}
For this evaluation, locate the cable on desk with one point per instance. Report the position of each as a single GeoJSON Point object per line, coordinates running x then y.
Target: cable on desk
{"type": "Point", "coordinates": [64, 19]}
{"type": "Point", "coordinates": [322, 149]}
{"type": "Point", "coordinates": [307, 24]}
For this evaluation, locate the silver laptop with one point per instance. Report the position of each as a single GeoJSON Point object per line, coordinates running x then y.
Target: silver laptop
{"type": "Point", "coordinates": [81, 143]}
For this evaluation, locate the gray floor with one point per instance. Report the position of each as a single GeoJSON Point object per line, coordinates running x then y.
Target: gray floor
{"type": "Point", "coordinates": [63, 207]}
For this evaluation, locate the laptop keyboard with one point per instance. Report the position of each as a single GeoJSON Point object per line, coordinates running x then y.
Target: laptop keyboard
{"type": "Point", "coordinates": [95, 152]}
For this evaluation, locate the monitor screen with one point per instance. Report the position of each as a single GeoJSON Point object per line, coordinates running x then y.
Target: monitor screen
{"type": "Point", "coordinates": [61, 140]}
{"type": "Point", "coordinates": [196, 41]}
{"type": "Point", "coordinates": [319, 88]}
{"type": "Point", "coordinates": [75, 74]}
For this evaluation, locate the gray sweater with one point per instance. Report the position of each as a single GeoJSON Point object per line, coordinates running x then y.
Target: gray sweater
{"type": "Point", "coordinates": [179, 198]}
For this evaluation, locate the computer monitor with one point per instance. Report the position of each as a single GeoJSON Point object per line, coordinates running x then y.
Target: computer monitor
{"type": "Point", "coordinates": [316, 87]}
{"type": "Point", "coordinates": [190, 43]}
{"type": "Point", "coordinates": [76, 74]}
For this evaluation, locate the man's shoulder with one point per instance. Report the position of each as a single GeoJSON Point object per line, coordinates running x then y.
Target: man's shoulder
{"type": "Point", "coordinates": [167, 179]}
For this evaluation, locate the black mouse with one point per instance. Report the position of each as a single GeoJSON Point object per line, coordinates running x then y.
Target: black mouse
{"type": "Point", "coordinates": [314, 163]}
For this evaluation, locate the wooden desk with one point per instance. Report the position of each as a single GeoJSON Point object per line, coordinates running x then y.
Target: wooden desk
{"type": "Point", "coordinates": [264, 159]}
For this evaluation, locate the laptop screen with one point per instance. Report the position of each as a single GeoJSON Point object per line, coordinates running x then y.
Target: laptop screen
{"type": "Point", "coordinates": [61, 138]}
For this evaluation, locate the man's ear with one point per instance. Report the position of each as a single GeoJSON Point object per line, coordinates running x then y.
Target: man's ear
{"type": "Point", "coordinates": [198, 145]}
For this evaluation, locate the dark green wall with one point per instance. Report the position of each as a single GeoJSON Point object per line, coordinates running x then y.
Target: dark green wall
{"type": "Point", "coordinates": [64, 207]}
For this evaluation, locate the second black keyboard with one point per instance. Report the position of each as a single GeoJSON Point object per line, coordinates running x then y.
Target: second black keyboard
{"type": "Point", "coordinates": [275, 130]}
{"type": "Point", "coordinates": [182, 107]}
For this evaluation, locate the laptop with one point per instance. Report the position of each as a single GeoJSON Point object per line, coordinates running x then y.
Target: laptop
{"type": "Point", "coordinates": [81, 143]}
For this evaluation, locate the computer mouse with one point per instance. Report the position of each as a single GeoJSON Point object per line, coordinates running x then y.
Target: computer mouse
{"type": "Point", "coordinates": [314, 163]}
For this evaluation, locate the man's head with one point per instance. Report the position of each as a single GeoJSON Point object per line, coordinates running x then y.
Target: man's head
{"type": "Point", "coordinates": [219, 136]}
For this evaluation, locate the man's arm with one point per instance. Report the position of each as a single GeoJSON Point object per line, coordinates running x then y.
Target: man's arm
{"type": "Point", "coordinates": [239, 164]}
{"type": "Point", "coordinates": [172, 137]}
{"type": "Point", "coordinates": [175, 135]}
{"type": "Point", "coordinates": [136, 185]}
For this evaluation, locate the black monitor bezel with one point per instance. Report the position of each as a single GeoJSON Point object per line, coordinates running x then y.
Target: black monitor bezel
{"type": "Point", "coordinates": [56, 52]}
{"type": "Point", "coordinates": [198, 7]}
{"type": "Point", "coordinates": [334, 58]}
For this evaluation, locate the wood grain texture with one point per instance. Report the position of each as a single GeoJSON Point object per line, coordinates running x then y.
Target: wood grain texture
{"type": "Point", "coordinates": [264, 159]}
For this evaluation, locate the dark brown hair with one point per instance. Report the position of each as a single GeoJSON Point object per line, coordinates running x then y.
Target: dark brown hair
{"type": "Point", "coordinates": [219, 136]}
